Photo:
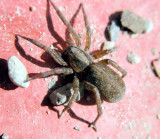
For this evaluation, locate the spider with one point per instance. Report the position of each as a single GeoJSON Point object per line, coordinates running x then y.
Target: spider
{"type": "Point", "coordinates": [98, 78]}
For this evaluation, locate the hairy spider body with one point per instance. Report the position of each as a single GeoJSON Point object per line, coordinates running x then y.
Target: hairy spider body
{"type": "Point", "coordinates": [77, 58]}
{"type": "Point", "coordinates": [109, 83]}
{"type": "Point", "coordinates": [97, 77]}
{"type": "Point", "coordinates": [112, 88]}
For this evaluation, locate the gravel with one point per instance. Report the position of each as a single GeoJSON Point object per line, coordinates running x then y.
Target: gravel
{"type": "Point", "coordinates": [132, 22]}
{"type": "Point", "coordinates": [17, 72]}
{"type": "Point", "coordinates": [133, 58]}
{"type": "Point", "coordinates": [113, 31]}
{"type": "Point", "coordinates": [63, 94]}
{"type": "Point", "coordinates": [4, 136]}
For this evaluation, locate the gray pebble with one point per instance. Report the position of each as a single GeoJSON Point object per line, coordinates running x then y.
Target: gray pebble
{"type": "Point", "coordinates": [32, 8]}
{"type": "Point", "coordinates": [148, 26]}
{"type": "Point", "coordinates": [63, 94]}
{"type": "Point", "coordinates": [77, 128]}
{"type": "Point", "coordinates": [108, 45]}
{"type": "Point", "coordinates": [133, 58]}
{"type": "Point", "coordinates": [132, 22]}
{"type": "Point", "coordinates": [52, 83]}
{"type": "Point", "coordinates": [5, 136]}
{"type": "Point", "coordinates": [48, 112]}
{"type": "Point", "coordinates": [17, 72]}
{"type": "Point", "coordinates": [113, 31]}
{"type": "Point", "coordinates": [154, 51]}
{"type": "Point", "coordinates": [158, 116]}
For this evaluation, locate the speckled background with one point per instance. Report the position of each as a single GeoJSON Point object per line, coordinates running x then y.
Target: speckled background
{"type": "Point", "coordinates": [21, 113]}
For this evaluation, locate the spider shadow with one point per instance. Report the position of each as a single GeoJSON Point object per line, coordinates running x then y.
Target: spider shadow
{"type": "Point", "coordinates": [46, 102]}
{"type": "Point", "coordinates": [51, 29]}
{"type": "Point", "coordinates": [45, 56]}
{"type": "Point", "coordinates": [5, 82]}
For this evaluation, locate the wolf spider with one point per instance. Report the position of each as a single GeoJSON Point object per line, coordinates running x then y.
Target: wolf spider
{"type": "Point", "coordinates": [97, 77]}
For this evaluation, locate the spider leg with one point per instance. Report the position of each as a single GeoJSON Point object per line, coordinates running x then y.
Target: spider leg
{"type": "Point", "coordinates": [74, 97]}
{"type": "Point", "coordinates": [67, 33]}
{"type": "Point", "coordinates": [62, 70]}
{"type": "Point", "coordinates": [104, 52]}
{"type": "Point", "coordinates": [67, 24]}
{"type": "Point", "coordinates": [115, 65]}
{"type": "Point", "coordinates": [52, 52]}
{"type": "Point", "coordinates": [88, 32]}
{"type": "Point", "coordinates": [95, 90]}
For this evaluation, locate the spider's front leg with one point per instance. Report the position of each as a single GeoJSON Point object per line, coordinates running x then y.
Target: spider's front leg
{"type": "Point", "coordinates": [95, 90]}
{"type": "Point", "coordinates": [52, 52]}
{"type": "Point", "coordinates": [55, 71]}
{"type": "Point", "coordinates": [74, 97]}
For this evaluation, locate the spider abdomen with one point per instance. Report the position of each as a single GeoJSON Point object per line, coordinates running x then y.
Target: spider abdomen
{"type": "Point", "coordinates": [109, 83]}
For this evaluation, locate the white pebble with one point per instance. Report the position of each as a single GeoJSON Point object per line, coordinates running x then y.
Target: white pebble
{"type": "Point", "coordinates": [17, 72]}
{"type": "Point", "coordinates": [108, 45]}
{"type": "Point", "coordinates": [148, 26]}
{"type": "Point", "coordinates": [133, 58]}
{"type": "Point", "coordinates": [77, 128]}
{"type": "Point", "coordinates": [4, 136]}
{"type": "Point", "coordinates": [52, 83]}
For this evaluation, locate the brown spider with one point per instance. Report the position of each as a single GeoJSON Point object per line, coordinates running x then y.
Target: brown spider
{"type": "Point", "coordinates": [97, 77]}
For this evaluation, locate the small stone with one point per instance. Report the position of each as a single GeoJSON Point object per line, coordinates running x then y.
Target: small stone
{"type": "Point", "coordinates": [156, 66]}
{"type": "Point", "coordinates": [17, 72]}
{"type": "Point", "coordinates": [48, 112]}
{"type": "Point", "coordinates": [77, 128]}
{"type": "Point", "coordinates": [31, 49]}
{"type": "Point", "coordinates": [113, 31]}
{"type": "Point", "coordinates": [4, 136]}
{"type": "Point", "coordinates": [52, 83]}
{"type": "Point", "coordinates": [108, 45]}
{"type": "Point", "coordinates": [148, 137]}
{"type": "Point", "coordinates": [133, 58]}
{"type": "Point", "coordinates": [133, 22]}
{"type": "Point", "coordinates": [133, 35]}
{"type": "Point", "coordinates": [10, 19]}
{"type": "Point", "coordinates": [158, 116]}
{"type": "Point", "coordinates": [148, 26]}
{"type": "Point", "coordinates": [32, 8]}
{"type": "Point", "coordinates": [154, 51]}
{"type": "Point", "coordinates": [63, 94]}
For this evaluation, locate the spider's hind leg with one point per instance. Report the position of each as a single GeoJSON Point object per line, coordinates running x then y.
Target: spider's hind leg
{"type": "Point", "coordinates": [74, 97]}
